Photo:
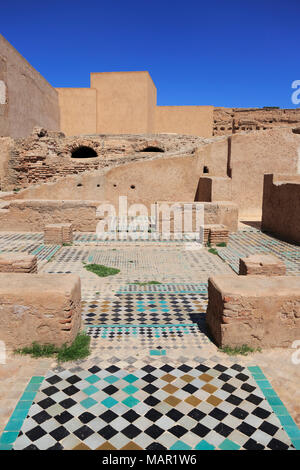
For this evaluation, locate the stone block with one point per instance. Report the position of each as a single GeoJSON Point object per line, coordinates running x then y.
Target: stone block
{"type": "Point", "coordinates": [18, 263]}
{"type": "Point", "coordinates": [45, 308]}
{"type": "Point", "coordinates": [262, 264]}
{"type": "Point", "coordinates": [218, 234]}
{"type": "Point", "coordinates": [58, 234]}
{"type": "Point", "coordinates": [259, 311]}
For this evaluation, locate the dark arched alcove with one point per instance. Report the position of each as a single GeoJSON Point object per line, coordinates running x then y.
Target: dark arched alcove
{"type": "Point", "coordinates": [152, 149]}
{"type": "Point", "coordinates": [84, 152]}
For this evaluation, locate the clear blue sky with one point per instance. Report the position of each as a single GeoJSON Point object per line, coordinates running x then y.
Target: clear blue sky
{"type": "Point", "coordinates": [226, 53]}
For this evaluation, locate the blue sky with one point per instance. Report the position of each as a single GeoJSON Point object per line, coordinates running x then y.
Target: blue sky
{"type": "Point", "coordinates": [225, 53]}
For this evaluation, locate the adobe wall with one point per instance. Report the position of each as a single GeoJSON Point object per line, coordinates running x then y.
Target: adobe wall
{"type": "Point", "coordinates": [26, 98]}
{"type": "Point", "coordinates": [183, 167]}
{"type": "Point", "coordinates": [142, 181]}
{"type": "Point", "coordinates": [42, 308]}
{"type": "Point", "coordinates": [190, 120]}
{"type": "Point", "coordinates": [160, 179]}
{"type": "Point", "coordinates": [214, 153]}
{"type": "Point", "coordinates": [281, 206]}
{"type": "Point", "coordinates": [33, 215]}
{"type": "Point", "coordinates": [125, 102]}
{"type": "Point", "coordinates": [257, 311]}
{"type": "Point", "coordinates": [214, 188]}
{"type": "Point", "coordinates": [254, 154]}
{"type": "Point", "coordinates": [78, 110]}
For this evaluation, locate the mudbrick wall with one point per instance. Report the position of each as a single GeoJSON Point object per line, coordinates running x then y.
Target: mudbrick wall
{"type": "Point", "coordinates": [236, 120]}
{"type": "Point", "coordinates": [44, 308]}
{"type": "Point", "coordinates": [147, 168]}
{"type": "Point", "coordinates": [260, 311]}
{"type": "Point", "coordinates": [281, 206]}
{"type": "Point", "coordinates": [45, 156]}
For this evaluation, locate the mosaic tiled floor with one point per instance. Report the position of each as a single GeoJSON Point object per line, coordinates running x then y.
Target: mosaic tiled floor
{"type": "Point", "coordinates": [153, 380]}
{"type": "Point", "coordinates": [154, 407]}
{"type": "Point", "coordinates": [29, 243]}
{"type": "Point", "coordinates": [246, 243]}
{"type": "Point", "coordinates": [151, 337]}
{"type": "Point", "coordinates": [144, 308]}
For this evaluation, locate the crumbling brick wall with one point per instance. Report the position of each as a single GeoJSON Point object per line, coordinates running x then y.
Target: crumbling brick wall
{"type": "Point", "coordinates": [236, 120]}
{"type": "Point", "coordinates": [45, 156]}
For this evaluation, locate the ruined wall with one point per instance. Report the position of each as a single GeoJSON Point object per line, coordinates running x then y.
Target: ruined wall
{"type": "Point", "coordinates": [160, 179]}
{"type": "Point", "coordinates": [193, 120]}
{"type": "Point", "coordinates": [183, 167]}
{"type": "Point", "coordinates": [214, 153]}
{"type": "Point", "coordinates": [42, 308]}
{"type": "Point", "coordinates": [26, 98]}
{"type": "Point", "coordinates": [259, 311]}
{"type": "Point", "coordinates": [281, 206]}
{"type": "Point", "coordinates": [254, 154]}
{"type": "Point", "coordinates": [235, 120]}
{"type": "Point", "coordinates": [46, 156]}
{"type": "Point", "coordinates": [32, 215]}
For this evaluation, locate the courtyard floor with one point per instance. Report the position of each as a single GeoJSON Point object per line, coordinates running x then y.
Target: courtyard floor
{"type": "Point", "coordinates": [154, 379]}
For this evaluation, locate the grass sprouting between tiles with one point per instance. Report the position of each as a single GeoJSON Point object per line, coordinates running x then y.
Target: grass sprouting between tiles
{"type": "Point", "coordinates": [146, 283]}
{"type": "Point", "coordinates": [243, 350]}
{"type": "Point", "coordinates": [222, 244]}
{"type": "Point", "coordinates": [79, 349]}
{"type": "Point", "coordinates": [100, 270]}
{"type": "Point", "coordinates": [213, 251]}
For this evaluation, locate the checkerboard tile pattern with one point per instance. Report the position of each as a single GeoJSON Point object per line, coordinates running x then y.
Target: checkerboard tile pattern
{"type": "Point", "coordinates": [154, 407]}
{"type": "Point", "coordinates": [243, 244]}
{"type": "Point", "coordinates": [149, 308]}
{"type": "Point", "coordinates": [148, 383]}
{"type": "Point", "coordinates": [169, 288]}
{"type": "Point", "coordinates": [142, 338]}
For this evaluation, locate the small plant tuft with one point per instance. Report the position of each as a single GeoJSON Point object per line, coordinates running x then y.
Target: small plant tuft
{"type": "Point", "coordinates": [213, 251]}
{"type": "Point", "coordinates": [38, 350]}
{"type": "Point", "coordinates": [79, 349]}
{"type": "Point", "coordinates": [100, 270]}
{"type": "Point", "coordinates": [222, 244]}
{"type": "Point", "coordinates": [243, 350]}
{"type": "Point", "coordinates": [67, 244]}
{"type": "Point", "coordinates": [146, 283]}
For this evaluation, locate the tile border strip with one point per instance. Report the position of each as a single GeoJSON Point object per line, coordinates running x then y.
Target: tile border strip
{"type": "Point", "coordinates": [18, 416]}
{"type": "Point", "coordinates": [15, 423]}
{"type": "Point", "coordinates": [154, 325]}
{"type": "Point", "coordinates": [287, 422]}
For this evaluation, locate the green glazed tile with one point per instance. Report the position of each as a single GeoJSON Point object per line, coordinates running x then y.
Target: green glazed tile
{"type": "Point", "coordinates": [179, 445]}
{"type": "Point", "coordinates": [203, 445]}
{"type": "Point", "coordinates": [8, 437]}
{"type": "Point", "coordinates": [14, 425]}
{"type": "Point", "coordinates": [227, 444]}
{"type": "Point", "coordinates": [88, 402]}
{"type": "Point", "coordinates": [130, 401]}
